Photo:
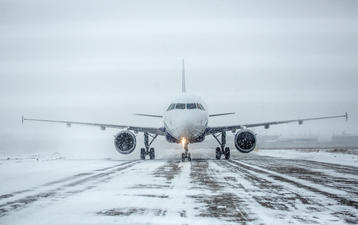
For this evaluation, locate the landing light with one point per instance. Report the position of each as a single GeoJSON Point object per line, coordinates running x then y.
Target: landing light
{"type": "Point", "coordinates": [183, 141]}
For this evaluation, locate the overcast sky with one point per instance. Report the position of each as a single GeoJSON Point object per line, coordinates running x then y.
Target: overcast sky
{"type": "Point", "coordinates": [102, 60]}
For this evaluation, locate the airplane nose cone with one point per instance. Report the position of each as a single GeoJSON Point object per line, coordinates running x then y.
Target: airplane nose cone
{"type": "Point", "coordinates": [188, 128]}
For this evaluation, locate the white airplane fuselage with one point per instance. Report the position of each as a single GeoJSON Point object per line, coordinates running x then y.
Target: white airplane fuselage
{"type": "Point", "coordinates": [186, 123]}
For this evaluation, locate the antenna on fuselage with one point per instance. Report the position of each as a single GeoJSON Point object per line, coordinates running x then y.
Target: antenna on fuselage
{"type": "Point", "coordinates": [183, 87]}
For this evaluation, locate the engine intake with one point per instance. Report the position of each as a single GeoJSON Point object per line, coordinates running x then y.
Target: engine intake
{"type": "Point", "coordinates": [125, 142]}
{"type": "Point", "coordinates": [245, 141]}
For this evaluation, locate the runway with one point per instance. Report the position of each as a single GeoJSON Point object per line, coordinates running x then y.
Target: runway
{"type": "Point", "coordinates": [252, 190]}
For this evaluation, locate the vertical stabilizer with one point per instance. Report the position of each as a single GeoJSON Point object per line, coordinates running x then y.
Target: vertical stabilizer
{"type": "Point", "coordinates": [183, 87]}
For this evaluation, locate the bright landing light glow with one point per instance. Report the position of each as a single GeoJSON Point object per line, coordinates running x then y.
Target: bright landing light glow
{"type": "Point", "coordinates": [183, 141]}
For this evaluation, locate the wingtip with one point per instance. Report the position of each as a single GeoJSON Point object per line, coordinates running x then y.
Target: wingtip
{"type": "Point", "coordinates": [22, 119]}
{"type": "Point", "coordinates": [346, 116]}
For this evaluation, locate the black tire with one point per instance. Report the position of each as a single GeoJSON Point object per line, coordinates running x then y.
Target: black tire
{"type": "Point", "coordinates": [227, 153]}
{"type": "Point", "coordinates": [142, 153]}
{"type": "Point", "coordinates": [183, 157]}
{"type": "Point", "coordinates": [218, 153]}
{"type": "Point", "coordinates": [151, 153]}
{"type": "Point", "coordinates": [189, 157]}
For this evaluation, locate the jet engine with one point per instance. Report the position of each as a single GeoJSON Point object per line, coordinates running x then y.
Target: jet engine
{"type": "Point", "coordinates": [125, 142]}
{"type": "Point", "coordinates": [245, 141]}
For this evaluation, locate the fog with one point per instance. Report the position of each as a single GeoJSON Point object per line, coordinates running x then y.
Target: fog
{"type": "Point", "coordinates": [101, 61]}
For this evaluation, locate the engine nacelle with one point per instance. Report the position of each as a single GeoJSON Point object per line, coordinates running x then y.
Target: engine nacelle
{"type": "Point", "coordinates": [245, 141]}
{"type": "Point", "coordinates": [125, 142]}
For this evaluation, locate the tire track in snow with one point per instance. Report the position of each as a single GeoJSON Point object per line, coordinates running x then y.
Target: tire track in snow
{"type": "Point", "coordinates": [320, 189]}
{"type": "Point", "coordinates": [8, 196]}
{"type": "Point", "coordinates": [63, 188]}
{"type": "Point", "coordinates": [161, 177]}
{"type": "Point", "coordinates": [343, 178]}
{"type": "Point", "coordinates": [283, 191]}
{"type": "Point", "coordinates": [262, 195]}
{"type": "Point", "coordinates": [217, 200]}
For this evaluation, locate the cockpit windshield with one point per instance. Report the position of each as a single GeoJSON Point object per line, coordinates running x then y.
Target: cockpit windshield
{"type": "Point", "coordinates": [191, 106]}
{"type": "Point", "coordinates": [171, 107]}
{"type": "Point", "coordinates": [180, 106]}
{"type": "Point", "coordinates": [185, 106]}
{"type": "Point", "coordinates": [200, 107]}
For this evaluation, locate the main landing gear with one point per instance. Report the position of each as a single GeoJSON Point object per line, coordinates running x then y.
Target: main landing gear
{"type": "Point", "coordinates": [147, 150]}
{"type": "Point", "coordinates": [222, 150]}
{"type": "Point", "coordinates": [186, 154]}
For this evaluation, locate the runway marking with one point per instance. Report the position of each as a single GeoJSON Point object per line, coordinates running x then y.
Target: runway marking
{"type": "Point", "coordinates": [64, 188]}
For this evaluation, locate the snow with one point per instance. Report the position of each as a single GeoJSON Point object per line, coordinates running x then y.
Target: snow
{"type": "Point", "coordinates": [314, 155]}
{"type": "Point", "coordinates": [24, 172]}
{"type": "Point", "coordinates": [254, 189]}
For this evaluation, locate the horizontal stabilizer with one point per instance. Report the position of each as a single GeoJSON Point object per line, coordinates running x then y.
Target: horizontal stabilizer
{"type": "Point", "coordinates": [221, 114]}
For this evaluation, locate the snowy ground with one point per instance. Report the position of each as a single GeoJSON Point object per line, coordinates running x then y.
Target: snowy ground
{"type": "Point", "coordinates": [343, 157]}
{"type": "Point", "coordinates": [255, 189]}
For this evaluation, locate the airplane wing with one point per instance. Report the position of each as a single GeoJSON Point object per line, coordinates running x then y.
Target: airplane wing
{"type": "Point", "coordinates": [266, 125]}
{"type": "Point", "coordinates": [148, 115]}
{"type": "Point", "coordinates": [103, 126]}
{"type": "Point", "coordinates": [221, 114]}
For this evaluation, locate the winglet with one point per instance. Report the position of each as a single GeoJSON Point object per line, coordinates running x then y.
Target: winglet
{"type": "Point", "coordinates": [22, 119]}
{"type": "Point", "coordinates": [183, 87]}
{"type": "Point", "coordinates": [346, 116]}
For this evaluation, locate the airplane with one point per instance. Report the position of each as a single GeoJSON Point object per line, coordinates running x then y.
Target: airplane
{"type": "Point", "coordinates": [185, 122]}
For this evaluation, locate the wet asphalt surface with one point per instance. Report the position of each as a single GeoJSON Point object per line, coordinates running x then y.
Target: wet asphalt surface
{"type": "Point", "coordinates": [252, 190]}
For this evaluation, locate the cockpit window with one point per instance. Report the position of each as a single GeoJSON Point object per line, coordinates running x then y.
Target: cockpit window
{"type": "Point", "coordinates": [185, 106]}
{"type": "Point", "coordinates": [180, 106]}
{"type": "Point", "coordinates": [171, 107]}
{"type": "Point", "coordinates": [200, 107]}
{"type": "Point", "coordinates": [191, 106]}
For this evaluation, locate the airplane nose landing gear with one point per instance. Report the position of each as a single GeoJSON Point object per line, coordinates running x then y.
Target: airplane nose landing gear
{"type": "Point", "coordinates": [186, 154]}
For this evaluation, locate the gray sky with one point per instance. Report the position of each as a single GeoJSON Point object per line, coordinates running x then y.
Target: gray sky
{"type": "Point", "coordinates": [102, 60]}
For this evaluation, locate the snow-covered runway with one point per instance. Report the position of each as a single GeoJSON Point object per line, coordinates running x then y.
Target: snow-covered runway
{"type": "Point", "coordinates": [252, 190]}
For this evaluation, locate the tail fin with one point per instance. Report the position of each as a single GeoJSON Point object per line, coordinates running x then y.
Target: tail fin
{"type": "Point", "coordinates": [183, 86]}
